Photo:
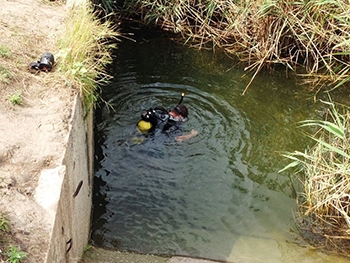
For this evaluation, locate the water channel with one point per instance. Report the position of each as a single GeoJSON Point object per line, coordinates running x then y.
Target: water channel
{"type": "Point", "coordinates": [217, 195]}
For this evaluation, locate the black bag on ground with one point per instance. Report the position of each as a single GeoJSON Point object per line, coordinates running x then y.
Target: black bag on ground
{"type": "Point", "coordinates": [45, 63]}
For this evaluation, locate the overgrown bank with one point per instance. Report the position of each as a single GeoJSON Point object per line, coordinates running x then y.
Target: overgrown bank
{"type": "Point", "coordinates": [323, 203]}
{"type": "Point", "coordinates": [85, 50]}
{"type": "Point", "coordinates": [36, 109]}
{"type": "Point", "coordinates": [313, 34]}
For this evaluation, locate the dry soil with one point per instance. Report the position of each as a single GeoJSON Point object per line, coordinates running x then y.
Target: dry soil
{"type": "Point", "coordinates": [33, 133]}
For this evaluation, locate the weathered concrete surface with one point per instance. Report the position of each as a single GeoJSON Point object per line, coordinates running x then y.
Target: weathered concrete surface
{"type": "Point", "coordinates": [188, 260]}
{"type": "Point", "coordinates": [99, 255]}
{"type": "Point", "coordinates": [72, 207]}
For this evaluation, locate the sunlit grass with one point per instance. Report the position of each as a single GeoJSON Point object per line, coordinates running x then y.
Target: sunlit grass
{"type": "Point", "coordinates": [324, 171]}
{"type": "Point", "coordinates": [85, 50]}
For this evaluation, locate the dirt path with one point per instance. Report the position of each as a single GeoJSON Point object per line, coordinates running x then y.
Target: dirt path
{"type": "Point", "coordinates": [32, 134]}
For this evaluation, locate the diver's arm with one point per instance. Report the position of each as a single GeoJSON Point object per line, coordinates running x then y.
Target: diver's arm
{"type": "Point", "coordinates": [185, 137]}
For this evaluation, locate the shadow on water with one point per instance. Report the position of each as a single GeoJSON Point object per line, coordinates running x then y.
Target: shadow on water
{"type": "Point", "coordinates": [216, 196]}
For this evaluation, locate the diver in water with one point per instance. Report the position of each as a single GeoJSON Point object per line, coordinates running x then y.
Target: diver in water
{"type": "Point", "coordinates": [159, 119]}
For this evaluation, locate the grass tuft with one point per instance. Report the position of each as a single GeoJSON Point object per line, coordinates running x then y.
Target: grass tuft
{"type": "Point", "coordinates": [324, 204]}
{"type": "Point", "coordinates": [5, 52]}
{"type": "Point", "coordinates": [85, 50]}
{"type": "Point", "coordinates": [5, 75]}
{"type": "Point", "coordinates": [15, 255]}
{"type": "Point", "coordinates": [16, 98]}
{"type": "Point", "coordinates": [3, 224]}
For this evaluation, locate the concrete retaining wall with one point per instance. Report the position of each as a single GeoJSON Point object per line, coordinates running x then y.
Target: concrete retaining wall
{"type": "Point", "coordinates": [72, 194]}
{"type": "Point", "coordinates": [71, 226]}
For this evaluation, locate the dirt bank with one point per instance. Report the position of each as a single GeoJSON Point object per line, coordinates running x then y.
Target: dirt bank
{"type": "Point", "coordinates": [33, 133]}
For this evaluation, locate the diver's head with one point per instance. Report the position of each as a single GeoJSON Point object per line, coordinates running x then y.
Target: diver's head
{"type": "Point", "coordinates": [182, 110]}
{"type": "Point", "coordinates": [179, 113]}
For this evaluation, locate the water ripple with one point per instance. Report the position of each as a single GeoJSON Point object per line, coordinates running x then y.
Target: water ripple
{"type": "Point", "coordinates": [203, 196]}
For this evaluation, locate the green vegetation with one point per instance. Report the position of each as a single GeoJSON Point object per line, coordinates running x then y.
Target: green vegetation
{"type": "Point", "coordinates": [5, 52]}
{"type": "Point", "coordinates": [16, 98]}
{"type": "Point", "coordinates": [3, 224]}
{"type": "Point", "coordinates": [5, 74]}
{"type": "Point", "coordinates": [313, 34]}
{"type": "Point", "coordinates": [324, 203]}
{"type": "Point", "coordinates": [15, 255]}
{"type": "Point", "coordinates": [85, 50]}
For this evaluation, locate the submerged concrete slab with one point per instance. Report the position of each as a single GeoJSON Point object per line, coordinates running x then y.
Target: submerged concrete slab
{"type": "Point", "coordinates": [189, 260]}
{"type": "Point", "coordinates": [100, 255]}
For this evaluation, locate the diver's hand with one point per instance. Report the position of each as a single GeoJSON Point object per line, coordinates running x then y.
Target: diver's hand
{"type": "Point", "coordinates": [193, 133]}
{"type": "Point", "coordinates": [185, 137]}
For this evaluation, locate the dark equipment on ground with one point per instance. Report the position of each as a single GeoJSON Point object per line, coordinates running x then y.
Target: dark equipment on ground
{"type": "Point", "coordinates": [45, 63]}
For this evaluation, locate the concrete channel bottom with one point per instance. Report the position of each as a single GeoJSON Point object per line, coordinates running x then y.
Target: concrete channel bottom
{"type": "Point", "coordinates": [187, 260]}
{"type": "Point", "coordinates": [99, 255]}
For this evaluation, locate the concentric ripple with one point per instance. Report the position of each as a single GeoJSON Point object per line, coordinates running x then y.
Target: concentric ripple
{"type": "Point", "coordinates": [217, 195]}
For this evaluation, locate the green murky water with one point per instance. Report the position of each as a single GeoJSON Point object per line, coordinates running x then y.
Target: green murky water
{"type": "Point", "coordinates": [218, 195]}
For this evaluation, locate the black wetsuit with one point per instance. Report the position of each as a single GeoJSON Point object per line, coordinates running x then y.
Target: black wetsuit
{"type": "Point", "coordinates": [160, 119]}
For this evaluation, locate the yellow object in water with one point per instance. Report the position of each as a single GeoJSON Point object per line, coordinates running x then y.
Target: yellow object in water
{"type": "Point", "coordinates": [144, 126]}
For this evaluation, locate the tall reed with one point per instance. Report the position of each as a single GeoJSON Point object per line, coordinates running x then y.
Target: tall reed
{"type": "Point", "coordinates": [85, 50]}
{"type": "Point", "coordinates": [324, 170]}
{"type": "Point", "coordinates": [314, 34]}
